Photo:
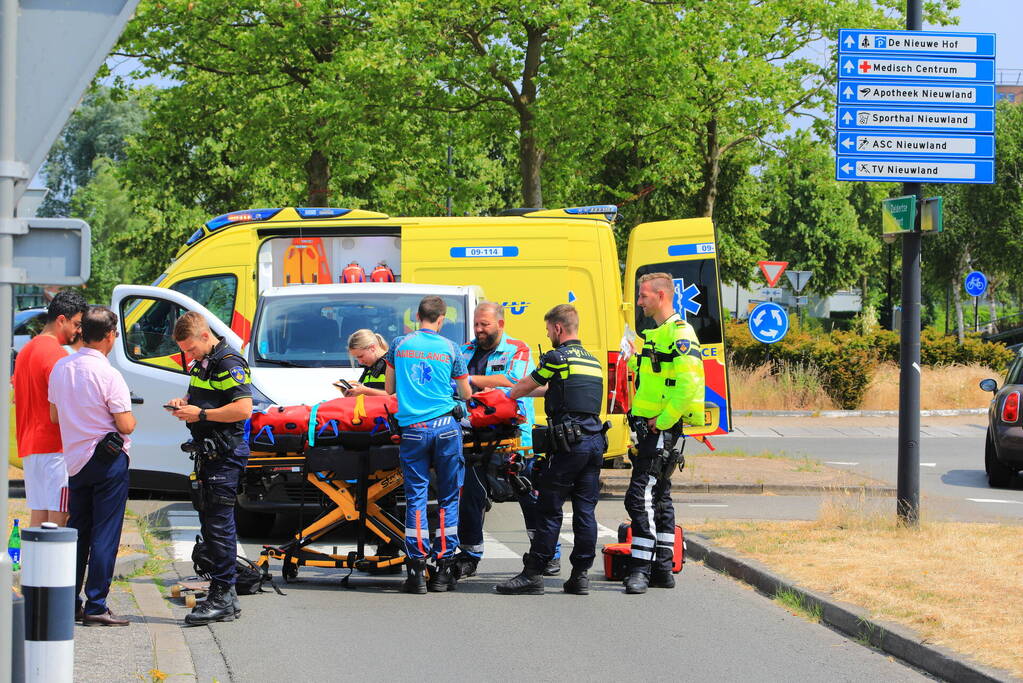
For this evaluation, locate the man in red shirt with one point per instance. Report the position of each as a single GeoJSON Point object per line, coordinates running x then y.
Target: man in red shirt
{"type": "Point", "coordinates": [39, 443]}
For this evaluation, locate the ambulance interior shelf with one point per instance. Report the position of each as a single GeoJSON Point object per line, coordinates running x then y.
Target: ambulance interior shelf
{"type": "Point", "coordinates": [323, 260]}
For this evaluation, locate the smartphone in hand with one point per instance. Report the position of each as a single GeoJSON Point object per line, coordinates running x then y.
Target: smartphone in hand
{"type": "Point", "coordinates": [169, 407]}
{"type": "Point", "coordinates": [343, 385]}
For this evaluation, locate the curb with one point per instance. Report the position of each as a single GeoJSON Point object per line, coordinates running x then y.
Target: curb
{"type": "Point", "coordinates": [831, 414]}
{"type": "Point", "coordinates": [617, 488]}
{"type": "Point", "coordinates": [853, 621]}
{"type": "Point", "coordinates": [126, 565]}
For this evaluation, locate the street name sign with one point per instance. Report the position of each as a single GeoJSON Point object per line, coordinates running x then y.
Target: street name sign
{"type": "Point", "coordinates": [898, 214]}
{"type": "Point", "coordinates": [917, 69]}
{"type": "Point", "coordinates": [899, 169]}
{"type": "Point", "coordinates": [975, 283]}
{"type": "Point", "coordinates": [956, 120]}
{"type": "Point", "coordinates": [917, 42]}
{"type": "Point", "coordinates": [919, 104]}
{"type": "Point", "coordinates": [917, 144]}
{"type": "Point", "coordinates": [894, 92]}
{"type": "Point", "coordinates": [772, 270]}
{"type": "Point", "coordinates": [768, 323]}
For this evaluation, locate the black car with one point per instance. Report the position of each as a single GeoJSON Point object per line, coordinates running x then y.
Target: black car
{"type": "Point", "coordinates": [1003, 450]}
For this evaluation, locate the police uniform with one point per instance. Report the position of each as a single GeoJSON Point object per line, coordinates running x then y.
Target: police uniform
{"type": "Point", "coordinates": [375, 376]}
{"type": "Point", "coordinates": [221, 378]}
{"type": "Point", "coordinates": [575, 394]}
{"type": "Point", "coordinates": [670, 388]}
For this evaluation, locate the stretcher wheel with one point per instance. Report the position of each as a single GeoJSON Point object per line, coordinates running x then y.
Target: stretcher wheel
{"type": "Point", "coordinates": [289, 570]}
{"type": "Point", "coordinates": [189, 601]}
{"type": "Point", "coordinates": [175, 590]}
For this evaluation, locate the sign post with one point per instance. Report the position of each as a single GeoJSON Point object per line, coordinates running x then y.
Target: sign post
{"type": "Point", "coordinates": [975, 285]}
{"type": "Point", "coordinates": [915, 106]}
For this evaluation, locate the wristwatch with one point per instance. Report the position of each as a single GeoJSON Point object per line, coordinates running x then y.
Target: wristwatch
{"type": "Point", "coordinates": [202, 415]}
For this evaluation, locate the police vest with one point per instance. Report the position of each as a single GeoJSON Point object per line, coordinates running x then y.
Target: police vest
{"type": "Point", "coordinates": [669, 375]}
{"type": "Point", "coordinates": [222, 379]}
{"type": "Point", "coordinates": [375, 375]}
{"type": "Point", "coordinates": [575, 382]}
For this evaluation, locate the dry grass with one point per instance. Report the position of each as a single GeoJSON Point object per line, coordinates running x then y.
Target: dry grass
{"type": "Point", "coordinates": [801, 388]}
{"type": "Point", "coordinates": [956, 584]}
{"type": "Point", "coordinates": [941, 388]}
{"type": "Point", "coordinates": [784, 387]}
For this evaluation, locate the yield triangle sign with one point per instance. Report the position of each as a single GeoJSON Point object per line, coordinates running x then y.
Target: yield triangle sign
{"type": "Point", "coordinates": [772, 270]}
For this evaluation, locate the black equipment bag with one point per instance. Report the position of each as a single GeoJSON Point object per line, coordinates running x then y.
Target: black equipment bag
{"type": "Point", "coordinates": [249, 577]}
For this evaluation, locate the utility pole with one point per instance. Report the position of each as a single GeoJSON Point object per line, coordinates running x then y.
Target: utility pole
{"type": "Point", "coordinates": [908, 504]}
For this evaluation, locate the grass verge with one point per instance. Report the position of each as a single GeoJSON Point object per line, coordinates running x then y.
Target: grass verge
{"type": "Point", "coordinates": [795, 604]}
{"type": "Point", "coordinates": [956, 584]}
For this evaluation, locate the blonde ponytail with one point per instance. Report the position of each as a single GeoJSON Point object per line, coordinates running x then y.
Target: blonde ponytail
{"type": "Point", "coordinates": [363, 339]}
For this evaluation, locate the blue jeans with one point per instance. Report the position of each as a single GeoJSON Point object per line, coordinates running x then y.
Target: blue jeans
{"type": "Point", "coordinates": [472, 510]}
{"type": "Point", "coordinates": [96, 501]}
{"type": "Point", "coordinates": [562, 476]}
{"type": "Point", "coordinates": [433, 444]}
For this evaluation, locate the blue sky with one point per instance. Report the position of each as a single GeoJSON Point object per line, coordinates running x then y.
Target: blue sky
{"type": "Point", "coordinates": [1001, 17]}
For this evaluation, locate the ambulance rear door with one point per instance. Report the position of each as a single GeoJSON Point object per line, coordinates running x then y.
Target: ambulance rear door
{"type": "Point", "coordinates": [687, 250]}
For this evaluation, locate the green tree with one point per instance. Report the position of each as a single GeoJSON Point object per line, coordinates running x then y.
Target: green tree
{"type": "Point", "coordinates": [99, 127]}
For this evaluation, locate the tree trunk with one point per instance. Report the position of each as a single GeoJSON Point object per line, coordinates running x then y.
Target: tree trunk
{"type": "Point", "coordinates": [992, 305]}
{"type": "Point", "coordinates": [317, 178]}
{"type": "Point", "coordinates": [958, 297]}
{"type": "Point", "coordinates": [711, 170]}
{"type": "Point", "coordinates": [530, 161]}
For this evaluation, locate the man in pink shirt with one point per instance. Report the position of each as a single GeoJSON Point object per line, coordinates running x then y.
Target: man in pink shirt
{"type": "Point", "coordinates": [90, 401]}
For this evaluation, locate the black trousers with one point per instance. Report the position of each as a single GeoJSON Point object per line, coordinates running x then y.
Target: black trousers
{"type": "Point", "coordinates": [220, 483]}
{"type": "Point", "coordinates": [562, 476]}
{"type": "Point", "coordinates": [648, 502]}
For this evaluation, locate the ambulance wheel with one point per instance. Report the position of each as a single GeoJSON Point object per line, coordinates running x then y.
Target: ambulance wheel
{"type": "Point", "coordinates": [253, 524]}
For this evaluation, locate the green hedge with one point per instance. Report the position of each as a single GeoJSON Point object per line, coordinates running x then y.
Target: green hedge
{"type": "Point", "coordinates": [847, 359]}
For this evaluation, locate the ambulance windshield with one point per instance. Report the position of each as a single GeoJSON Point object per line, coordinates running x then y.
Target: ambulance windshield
{"type": "Point", "coordinates": [312, 330]}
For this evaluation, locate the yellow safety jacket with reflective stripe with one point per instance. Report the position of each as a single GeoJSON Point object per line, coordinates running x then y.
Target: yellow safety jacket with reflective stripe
{"type": "Point", "coordinates": [669, 375]}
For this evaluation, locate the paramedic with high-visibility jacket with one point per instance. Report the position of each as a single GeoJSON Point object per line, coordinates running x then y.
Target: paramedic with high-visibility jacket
{"type": "Point", "coordinates": [669, 394]}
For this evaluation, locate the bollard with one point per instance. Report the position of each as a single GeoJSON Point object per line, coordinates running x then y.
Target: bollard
{"type": "Point", "coordinates": [48, 561]}
{"type": "Point", "coordinates": [18, 639]}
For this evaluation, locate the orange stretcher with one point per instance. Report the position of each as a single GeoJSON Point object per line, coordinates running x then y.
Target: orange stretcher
{"type": "Point", "coordinates": [355, 482]}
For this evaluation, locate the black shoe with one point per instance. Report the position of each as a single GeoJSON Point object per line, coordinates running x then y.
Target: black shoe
{"type": "Point", "coordinates": [218, 606]}
{"type": "Point", "coordinates": [553, 567]}
{"type": "Point", "coordinates": [442, 579]}
{"type": "Point", "coordinates": [79, 614]}
{"type": "Point", "coordinates": [578, 583]}
{"type": "Point", "coordinates": [662, 579]}
{"type": "Point", "coordinates": [529, 582]}
{"type": "Point", "coordinates": [636, 582]}
{"type": "Point", "coordinates": [234, 602]}
{"type": "Point", "coordinates": [416, 581]}
{"type": "Point", "coordinates": [464, 566]}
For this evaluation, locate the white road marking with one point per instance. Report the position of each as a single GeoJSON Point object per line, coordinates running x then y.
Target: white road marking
{"type": "Point", "coordinates": [928, 464]}
{"type": "Point", "coordinates": [995, 500]}
{"type": "Point", "coordinates": [839, 462]}
{"type": "Point", "coordinates": [604, 532]}
{"type": "Point", "coordinates": [707, 505]}
{"type": "Point", "coordinates": [493, 549]}
{"type": "Point", "coordinates": [184, 527]}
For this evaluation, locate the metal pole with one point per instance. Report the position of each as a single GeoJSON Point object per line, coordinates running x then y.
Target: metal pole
{"type": "Point", "coordinates": [8, 80]}
{"type": "Point", "coordinates": [908, 504]}
{"type": "Point", "coordinates": [976, 313]}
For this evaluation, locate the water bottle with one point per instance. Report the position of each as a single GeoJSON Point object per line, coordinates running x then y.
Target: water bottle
{"type": "Point", "coordinates": [14, 546]}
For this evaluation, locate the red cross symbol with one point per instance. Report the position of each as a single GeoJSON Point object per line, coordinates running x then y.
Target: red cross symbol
{"type": "Point", "coordinates": [864, 66]}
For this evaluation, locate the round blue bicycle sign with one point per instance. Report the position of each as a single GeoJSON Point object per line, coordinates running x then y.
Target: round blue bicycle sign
{"type": "Point", "coordinates": [976, 283]}
{"type": "Point", "coordinates": [768, 323]}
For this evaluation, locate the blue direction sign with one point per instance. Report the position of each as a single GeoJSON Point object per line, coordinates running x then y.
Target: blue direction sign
{"type": "Point", "coordinates": [975, 283]}
{"type": "Point", "coordinates": [768, 323]}
{"type": "Point", "coordinates": [956, 120]}
{"type": "Point", "coordinates": [895, 92]}
{"type": "Point", "coordinates": [897, 169]}
{"type": "Point", "coordinates": [917, 144]}
{"type": "Point", "coordinates": [916, 68]}
{"type": "Point", "coordinates": [917, 42]}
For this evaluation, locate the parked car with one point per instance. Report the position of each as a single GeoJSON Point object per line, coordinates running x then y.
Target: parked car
{"type": "Point", "coordinates": [1003, 449]}
{"type": "Point", "coordinates": [27, 324]}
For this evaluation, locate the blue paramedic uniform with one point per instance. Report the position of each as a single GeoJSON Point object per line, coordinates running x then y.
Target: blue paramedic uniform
{"type": "Point", "coordinates": [424, 365]}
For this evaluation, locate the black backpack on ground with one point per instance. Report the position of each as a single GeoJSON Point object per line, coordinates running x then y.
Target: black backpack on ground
{"type": "Point", "coordinates": [249, 578]}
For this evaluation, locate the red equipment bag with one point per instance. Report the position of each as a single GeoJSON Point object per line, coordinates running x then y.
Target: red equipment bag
{"type": "Point", "coordinates": [353, 272]}
{"type": "Point", "coordinates": [491, 408]}
{"type": "Point", "coordinates": [353, 421]}
{"type": "Point", "coordinates": [382, 274]}
{"type": "Point", "coordinates": [616, 555]}
{"type": "Point", "coordinates": [279, 429]}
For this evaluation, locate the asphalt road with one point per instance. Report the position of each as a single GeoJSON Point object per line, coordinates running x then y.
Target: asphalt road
{"type": "Point", "coordinates": [709, 628]}
{"type": "Point", "coordinates": [952, 479]}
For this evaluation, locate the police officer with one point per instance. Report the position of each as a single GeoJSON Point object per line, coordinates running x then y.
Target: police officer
{"type": "Point", "coordinates": [369, 350]}
{"type": "Point", "coordinates": [219, 401]}
{"type": "Point", "coordinates": [670, 391]}
{"type": "Point", "coordinates": [571, 379]}
{"type": "Point", "coordinates": [494, 361]}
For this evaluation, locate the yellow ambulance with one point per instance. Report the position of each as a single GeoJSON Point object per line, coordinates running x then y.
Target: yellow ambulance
{"type": "Point", "coordinates": [528, 261]}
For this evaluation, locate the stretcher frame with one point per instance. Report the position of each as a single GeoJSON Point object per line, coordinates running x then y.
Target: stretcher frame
{"type": "Point", "coordinates": [358, 501]}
